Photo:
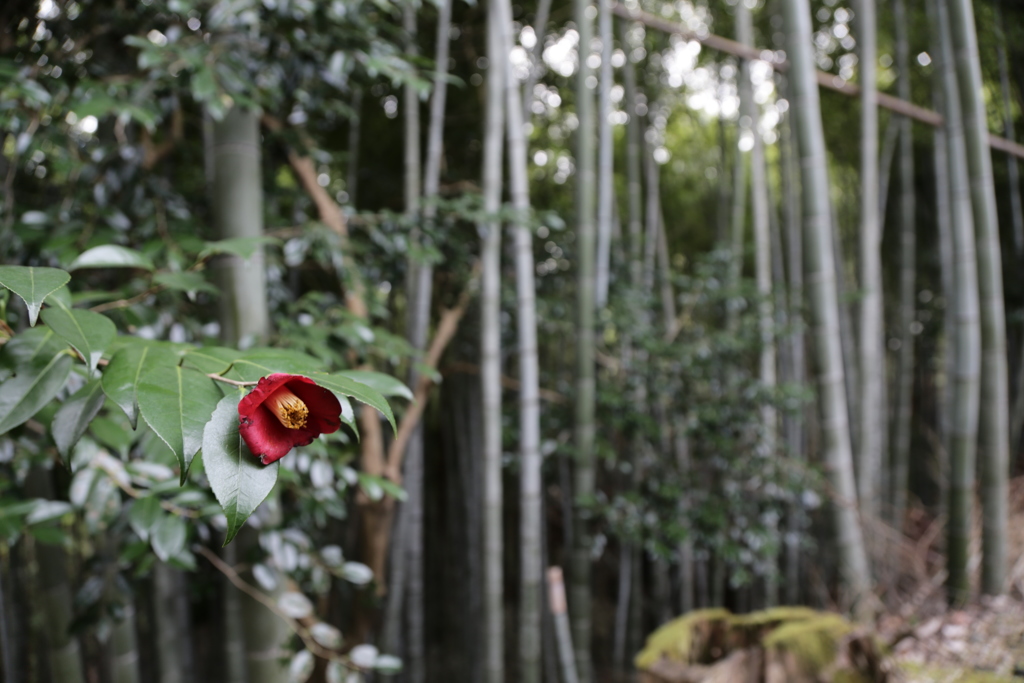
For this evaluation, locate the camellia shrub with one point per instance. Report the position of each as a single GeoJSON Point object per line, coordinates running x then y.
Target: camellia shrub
{"type": "Point", "coordinates": [241, 410]}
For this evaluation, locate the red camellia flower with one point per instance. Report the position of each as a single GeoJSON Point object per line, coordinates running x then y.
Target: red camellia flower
{"type": "Point", "coordinates": [284, 411]}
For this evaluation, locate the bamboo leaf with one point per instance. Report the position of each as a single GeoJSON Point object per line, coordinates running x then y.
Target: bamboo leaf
{"type": "Point", "coordinates": [26, 393]}
{"type": "Point", "coordinates": [33, 285]}
{"type": "Point", "coordinates": [89, 333]}
{"type": "Point", "coordinates": [237, 478]}
{"type": "Point", "coordinates": [73, 418]}
{"type": "Point", "coordinates": [176, 403]}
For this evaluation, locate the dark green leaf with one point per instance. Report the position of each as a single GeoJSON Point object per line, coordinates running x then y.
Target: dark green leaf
{"type": "Point", "coordinates": [73, 418]}
{"type": "Point", "coordinates": [357, 390]}
{"type": "Point", "coordinates": [33, 285]}
{"type": "Point", "coordinates": [168, 536]}
{"type": "Point", "coordinates": [176, 403]}
{"type": "Point", "coordinates": [89, 333]}
{"type": "Point", "coordinates": [262, 362]}
{"type": "Point", "coordinates": [144, 515]}
{"type": "Point", "coordinates": [34, 346]}
{"type": "Point", "coordinates": [122, 375]}
{"type": "Point", "coordinates": [207, 359]}
{"type": "Point", "coordinates": [185, 282]}
{"type": "Point", "coordinates": [111, 256]}
{"type": "Point", "coordinates": [243, 247]}
{"type": "Point", "coordinates": [237, 478]}
{"type": "Point", "coordinates": [385, 384]}
{"type": "Point", "coordinates": [26, 393]}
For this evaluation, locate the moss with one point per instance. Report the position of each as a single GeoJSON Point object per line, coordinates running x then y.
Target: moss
{"type": "Point", "coordinates": [813, 640]}
{"type": "Point", "coordinates": [775, 615]}
{"type": "Point", "coordinates": [952, 674]}
{"type": "Point", "coordinates": [674, 640]}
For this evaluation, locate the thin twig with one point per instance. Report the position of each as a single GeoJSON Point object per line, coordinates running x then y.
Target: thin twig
{"type": "Point", "coordinates": [446, 329]}
{"type": "Point", "coordinates": [300, 630]}
{"type": "Point", "coordinates": [232, 382]}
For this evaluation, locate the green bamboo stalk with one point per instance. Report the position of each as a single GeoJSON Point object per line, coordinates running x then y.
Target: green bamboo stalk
{"type": "Point", "coordinates": [995, 428]}
{"type": "Point", "coordinates": [824, 304]}
{"type": "Point", "coordinates": [967, 381]}
{"type": "Point", "coordinates": [238, 212]}
{"type": "Point", "coordinates": [124, 664]}
{"type": "Point", "coordinates": [605, 168]}
{"type": "Point", "coordinates": [490, 360]}
{"type": "Point", "coordinates": [794, 425]}
{"type": "Point", "coordinates": [57, 606]}
{"type": "Point", "coordinates": [531, 572]}
{"type": "Point", "coordinates": [583, 476]}
{"type": "Point", "coordinates": [762, 257]}
{"type": "Point", "coordinates": [871, 331]}
{"type": "Point", "coordinates": [900, 463]}
{"type": "Point", "coordinates": [947, 264]}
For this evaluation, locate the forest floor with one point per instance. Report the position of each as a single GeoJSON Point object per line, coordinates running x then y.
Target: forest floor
{"type": "Point", "coordinates": [982, 641]}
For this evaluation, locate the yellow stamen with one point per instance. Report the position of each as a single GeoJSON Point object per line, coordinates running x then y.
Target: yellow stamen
{"type": "Point", "coordinates": [288, 408]}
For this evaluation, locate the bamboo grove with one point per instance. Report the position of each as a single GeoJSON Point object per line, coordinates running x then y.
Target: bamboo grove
{"type": "Point", "coordinates": [629, 309]}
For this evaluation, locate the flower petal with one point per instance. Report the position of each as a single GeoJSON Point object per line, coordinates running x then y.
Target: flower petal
{"type": "Point", "coordinates": [268, 439]}
{"type": "Point", "coordinates": [324, 407]}
{"type": "Point", "coordinates": [263, 433]}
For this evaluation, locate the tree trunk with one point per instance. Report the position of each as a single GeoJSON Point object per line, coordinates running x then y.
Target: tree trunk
{"type": "Point", "coordinates": [995, 436]}
{"type": "Point", "coordinates": [490, 353]}
{"type": "Point", "coordinates": [824, 308]}
{"type": "Point", "coordinates": [994, 420]}
{"type": "Point", "coordinates": [583, 479]}
{"type": "Point", "coordinates": [871, 323]}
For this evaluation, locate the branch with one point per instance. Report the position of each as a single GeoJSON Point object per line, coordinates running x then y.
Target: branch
{"type": "Point", "coordinates": [233, 382]}
{"type": "Point", "coordinates": [446, 329]}
{"type": "Point", "coordinates": [825, 79]}
{"type": "Point", "coordinates": [510, 383]}
{"type": "Point", "coordinates": [259, 596]}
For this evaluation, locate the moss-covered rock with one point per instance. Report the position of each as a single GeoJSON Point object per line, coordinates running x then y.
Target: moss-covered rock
{"type": "Point", "coordinates": [790, 644]}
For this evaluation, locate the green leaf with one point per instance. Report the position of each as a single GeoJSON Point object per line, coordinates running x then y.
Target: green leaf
{"type": "Point", "coordinates": [144, 515]}
{"type": "Point", "coordinates": [211, 359]}
{"type": "Point", "coordinates": [168, 537]}
{"type": "Point", "coordinates": [177, 403]}
{"type": "Point", "coordinates": [33, 285]}
{"type": "Point", "coordinates": [89, 333]}
{"type": "Point", "coordinates": [111, 256]}
{"type": "Point", "coordinates": [47, 511]}
{"type": "Point", "coordinates": [73, 418]}
{"type": "Point", "coordinates": [385, 384]}
{"type": "Point", "coordinates": [237, 478]}
{"type": "Point", "coordinates": [357, 390]}
{"type": "Point", "coordinates": [243, 247]}
{"type": "Point", "coordinates": [26, 393]}
{"type": "Point", "coordinates": [262, 362]}
{"type": "Point", "coordinates": [121, 376]}
{"type": "Point", "coordinates": [185, 282]}
{"type": "Point", "coordinates": [34, 346]}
